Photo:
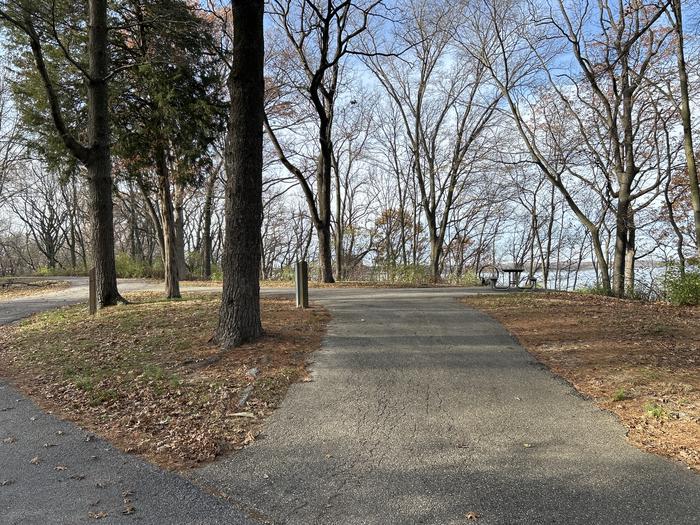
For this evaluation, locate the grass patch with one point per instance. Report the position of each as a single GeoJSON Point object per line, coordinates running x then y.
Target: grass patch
{"type": "Point", "coordinates": [621, 395]}
{"type": "Point", "coordinates": [599, 343]}
{"type": "Point", "coordinates": [145, 377]}
{"type": "Point", "coordinates": [655, 411]}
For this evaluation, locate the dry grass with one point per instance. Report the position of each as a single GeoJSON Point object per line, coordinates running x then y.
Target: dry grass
{"type": "Point", "coordinates": [11, 288]}
{"type": "Point", "coordinates": [145, 377]}
{"type": "Point", "coordinates": [641, 361]}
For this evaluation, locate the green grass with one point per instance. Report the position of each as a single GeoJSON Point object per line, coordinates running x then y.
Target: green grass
{"type": "Point", "coordinates": [621, 395]}
{"type": "Point", "coordinates": [655, 411]}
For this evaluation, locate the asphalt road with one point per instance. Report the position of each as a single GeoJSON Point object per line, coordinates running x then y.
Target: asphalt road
{"type": "Point", "coordinates": [421, 411]}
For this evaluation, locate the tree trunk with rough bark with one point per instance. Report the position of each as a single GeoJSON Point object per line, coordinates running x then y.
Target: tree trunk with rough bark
{"type": "Point", "coordinates": [170, 266]}
{"type": "Point", "coordinates": [239, 315]}
{"type": "Point", "coordinates": [179, 214]}
{"type": "Point", "coordinates": [686, 119]}
{"type": "Point", "coordinates": [206, 230]}
{"type": "Point", "coordinates": [99, 162]}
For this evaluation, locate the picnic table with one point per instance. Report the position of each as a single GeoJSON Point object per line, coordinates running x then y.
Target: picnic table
{"type": "Point", "coordinates": [513, 276]}
{"type": "Point", "coordinates": [490, 273]}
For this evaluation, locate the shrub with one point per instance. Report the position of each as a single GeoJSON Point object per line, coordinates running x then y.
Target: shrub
{"type": "Point", "coordinates": [45, 271]}
{"type": "Point", "coordinates": [594, 289]}
{"type": "Point", "coordinates": [130, 267]}
{"type": "Point", "coordinates": [620, 395]}
{"type": "Point", "coordinates": [405, 274]}
{"type": "Point", "coordinates": [683, 289]}
{"type": "Point", "coordinates": [468, 278]}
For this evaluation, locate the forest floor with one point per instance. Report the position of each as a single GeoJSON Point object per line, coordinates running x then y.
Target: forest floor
{"type": "Point", "coordinates": [639, 360]}
{"type": "Point", "coordinates": [145, 377]}
{"type": "Point", "coordinates": [12, 287]}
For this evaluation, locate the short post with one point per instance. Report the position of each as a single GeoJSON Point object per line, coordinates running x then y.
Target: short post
{"type": "Point", "coordinates": [301, 276]}
{"type": "Point", "coordinates": [92, 298]}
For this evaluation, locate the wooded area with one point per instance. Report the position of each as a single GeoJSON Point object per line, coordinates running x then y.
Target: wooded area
{"type": "Point", "coordinates": [401, 141]}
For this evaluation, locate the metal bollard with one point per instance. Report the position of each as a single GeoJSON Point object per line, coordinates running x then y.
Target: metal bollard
{"type": "Point", "coordinates": [301, 276]}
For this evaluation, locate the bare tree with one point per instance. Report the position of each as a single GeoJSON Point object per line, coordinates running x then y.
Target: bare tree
{"type": "Point", "coordinates": [322, 34]}
{"type": "Point", "coordinates": [11, 148]}
{"type": "Point", "coordinates": [675, 8]}
{"type": "Point", "coordinates": [38, 203]}
{"type": "Point", "coordinates": [446, 102]}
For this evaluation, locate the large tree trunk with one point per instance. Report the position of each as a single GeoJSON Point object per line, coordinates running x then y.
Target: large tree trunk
{"type": "Point", "coordinates": [686, 118]}
{"type": "Point", "coordinates": [170, 266]}
{"type": "Point", "coordinates": [621, 239]}
{"type": "Point", "coordinates": [325, 258]}
{"type": "Point", "coordinates": [206, 230]}
{"type": "Point", "coordinates": [99, 162]}
{"type": "Point", "coordinates": [436, 248]}
{"type": "Point", "coordinates": [179, 213]}
{"type": "Point", "coordinates": [323, 228]}
{"type": "Point", "coordinates": [239, 316]}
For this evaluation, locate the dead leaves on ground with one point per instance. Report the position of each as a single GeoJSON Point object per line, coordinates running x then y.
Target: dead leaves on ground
{"type": "Point", "coordinates": [145, 377]}
{"type": "Point", "coordinates": [638, 360]}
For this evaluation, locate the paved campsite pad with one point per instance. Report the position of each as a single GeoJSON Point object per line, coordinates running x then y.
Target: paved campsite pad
{"type": "Point", "coordinates": [423, 411]}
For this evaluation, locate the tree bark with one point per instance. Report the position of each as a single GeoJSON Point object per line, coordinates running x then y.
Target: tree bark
{"type": "Point", "coordinates": [179, 215]}
{"type": "Point", "coordinates": [99, 162]}
{"type": "Point", "coordinates": [323, 226]}
{"type": "Point", "coordinates": [630, 254]}
{"type": "Point", "coordinates": [170, 266]}
{"type": "Point", "coordinates": [239, 315]}
{"type": "Point", "coordinates": [206, 233]}
{"type": "Point", "coordinates": [686, 118]}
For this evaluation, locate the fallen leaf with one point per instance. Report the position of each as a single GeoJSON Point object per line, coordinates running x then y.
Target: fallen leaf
{"type": "Point", "coordinates": [35, 460]}
{"type": "Point", "coordinates": [97, 515]}
{"type": "Point", "coordinates": [243, 414]}
{"type": "Point", "coordinates": [60, 467]}
{"type": "Point", "coordinates": [9, 440]}
{"type": "Point", "coordinates": [472, 516]}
